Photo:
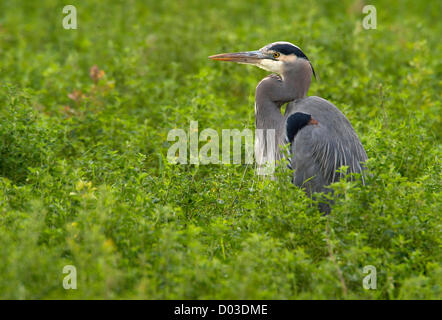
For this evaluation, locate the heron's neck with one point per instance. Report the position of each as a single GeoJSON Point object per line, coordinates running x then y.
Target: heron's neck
{"type": "Point", "coordinates": [270, 126]}
{"type": "Point", "coordinates": [268, 114]}
{"type": "Point", "coordinates": [297, 79]}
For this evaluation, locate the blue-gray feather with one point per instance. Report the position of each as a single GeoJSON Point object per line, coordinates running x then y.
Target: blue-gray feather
{"type": "Point", "coordinates": [319, 150]}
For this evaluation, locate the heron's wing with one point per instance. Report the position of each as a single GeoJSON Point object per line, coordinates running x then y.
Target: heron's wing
{"type": "Point", "coordinates": [319, 150]}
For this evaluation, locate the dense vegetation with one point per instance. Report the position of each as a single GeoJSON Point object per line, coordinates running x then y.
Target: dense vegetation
{"type": "Point", "coordinates": [84, 178]}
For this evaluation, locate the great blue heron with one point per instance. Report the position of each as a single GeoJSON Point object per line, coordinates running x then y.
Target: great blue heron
{"type": "Point", "coordinates": [320, 136]}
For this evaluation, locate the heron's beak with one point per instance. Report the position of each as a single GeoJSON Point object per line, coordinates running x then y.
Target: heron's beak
{"type": "Point", "coordinates": [248, 57]}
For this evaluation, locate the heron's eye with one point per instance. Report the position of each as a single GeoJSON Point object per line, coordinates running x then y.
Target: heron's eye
{"type": "Point", "coordinates": [276, 55]}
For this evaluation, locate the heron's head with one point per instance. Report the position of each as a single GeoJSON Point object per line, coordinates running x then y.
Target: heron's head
{"type": "Point", "coordinates": [277, 57]}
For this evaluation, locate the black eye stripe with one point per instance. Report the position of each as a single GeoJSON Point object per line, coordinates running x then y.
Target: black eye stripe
{"type": "Point", "coordinates": [288, 49]}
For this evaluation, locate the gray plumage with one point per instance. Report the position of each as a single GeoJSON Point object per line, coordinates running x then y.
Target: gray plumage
{"type": "Point", "coordinates": [321, 146]}
{"type": "Point", "coordinates": [319, 150]}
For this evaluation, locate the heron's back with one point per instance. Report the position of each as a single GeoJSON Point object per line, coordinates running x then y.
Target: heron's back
{"type": "Point", "coordinates": [319, 150]}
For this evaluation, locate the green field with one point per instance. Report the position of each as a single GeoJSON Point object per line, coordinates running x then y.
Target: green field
{"type": "Point", "coordinates": [84, 176]}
